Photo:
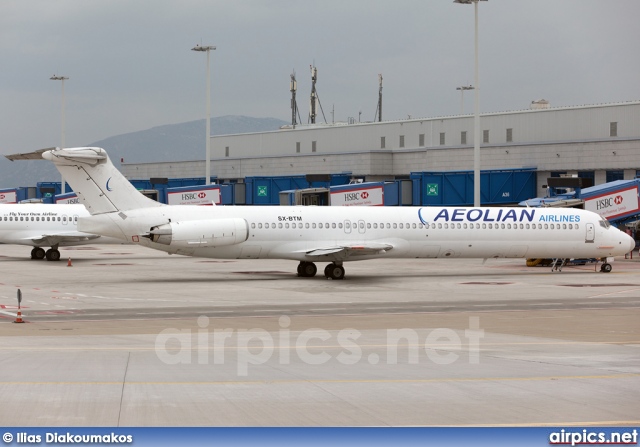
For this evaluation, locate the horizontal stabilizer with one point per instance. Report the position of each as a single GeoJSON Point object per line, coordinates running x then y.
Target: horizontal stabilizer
{"type": "Point", "coordinates": [35, 155]}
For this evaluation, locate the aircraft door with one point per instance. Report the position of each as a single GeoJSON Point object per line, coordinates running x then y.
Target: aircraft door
{"type": "Point", "coordinates": [591, 233]}
{"type": "Point", "coordinates": [361, 227]}
{"type": "Point", "coordinates": [347, 227]}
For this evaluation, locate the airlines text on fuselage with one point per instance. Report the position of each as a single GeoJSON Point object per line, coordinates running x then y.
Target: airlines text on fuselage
{"type": "Point", "coordinates": [496, 215]}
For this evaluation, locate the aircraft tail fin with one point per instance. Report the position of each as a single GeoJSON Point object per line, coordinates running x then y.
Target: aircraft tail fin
{"type": "Point", "coordinates": [96, 181]}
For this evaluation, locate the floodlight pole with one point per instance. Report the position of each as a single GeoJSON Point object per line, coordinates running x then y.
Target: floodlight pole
{"type": "Point", "coordinates": [61, 78]}
{"type": "Point", "coordinates": [207, 169]}
{"type": "Point", "coordinates": [476, 114]}
{"type": "Point", "coordinates": [462, 89]}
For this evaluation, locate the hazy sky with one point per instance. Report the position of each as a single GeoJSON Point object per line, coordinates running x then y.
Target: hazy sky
{"type": "Point", "coordinates": [131, 68]}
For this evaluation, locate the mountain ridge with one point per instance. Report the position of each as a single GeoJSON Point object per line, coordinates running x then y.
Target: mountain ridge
{"type": "Point", "coordinates": [167, 142]}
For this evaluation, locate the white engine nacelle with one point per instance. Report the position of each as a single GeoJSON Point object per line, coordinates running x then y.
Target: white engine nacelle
{"type": "Point", "coordinates": [201, 233]}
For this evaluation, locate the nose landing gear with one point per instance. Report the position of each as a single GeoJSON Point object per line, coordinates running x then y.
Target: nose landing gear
{"type": "Point", "coordinates": [605, 268]}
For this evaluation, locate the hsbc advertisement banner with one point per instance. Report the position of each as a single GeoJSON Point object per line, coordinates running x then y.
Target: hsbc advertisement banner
{"type": "Point", "coordinates": [204, 196]}
{"type": "Point", "coordinates": [614, 204]}
{"type": "Point", "coordinates": [9, 196]}
{"type": "Point", "coordinates": [66, 200]}
{"type": "Point", "coordinates": [358, 197]}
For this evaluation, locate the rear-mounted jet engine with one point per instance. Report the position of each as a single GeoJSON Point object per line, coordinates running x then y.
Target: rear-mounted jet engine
{"type": "Point", "coordinates": [195, 233]}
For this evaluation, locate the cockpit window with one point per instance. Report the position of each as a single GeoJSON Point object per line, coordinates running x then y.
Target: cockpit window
{"type": "Point", "coordinates": [604, 223]}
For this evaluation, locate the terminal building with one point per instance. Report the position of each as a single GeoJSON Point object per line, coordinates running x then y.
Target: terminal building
{"type": "Point", "coordinates": [597, 142]}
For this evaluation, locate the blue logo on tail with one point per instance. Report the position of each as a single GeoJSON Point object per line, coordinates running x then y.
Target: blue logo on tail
{"type": "Point", "coordinates": [107, 185]}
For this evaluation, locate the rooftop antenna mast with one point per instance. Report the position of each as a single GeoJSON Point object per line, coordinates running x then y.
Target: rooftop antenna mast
{"type": "Point", "coordinates": [379, 108]}
{"type": "Point", "coordinates": [314, 97]}
{"type": "Point", "coordinates": [293, 87]}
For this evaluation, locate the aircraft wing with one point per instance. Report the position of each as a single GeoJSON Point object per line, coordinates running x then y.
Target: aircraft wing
{"type": "Point", "coordinates": [343, 252]}
{"type": "Point", "coordinates": [61, 238]}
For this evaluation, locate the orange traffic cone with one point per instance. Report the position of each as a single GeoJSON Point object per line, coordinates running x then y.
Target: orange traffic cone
{"type": "Point", "coordinates": [69, 263]}
{"type": "Point", "coordinates": [19, 318]}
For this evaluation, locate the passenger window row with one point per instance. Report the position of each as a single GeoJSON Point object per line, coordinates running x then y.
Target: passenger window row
{"type": "Point", "coordinates": [432, 226]}
{"type": "Point", "coordinates": [503, 226]}
{"type": "Point", "coordinates": [38, 219]}
{"type": "Point", "coordinates": [340, 225]}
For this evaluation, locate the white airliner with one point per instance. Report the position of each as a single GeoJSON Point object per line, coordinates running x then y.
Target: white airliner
{"type": "Point", "coordinates": [45, 225]}
{"type": "Point", "coordinates": [328, 234]}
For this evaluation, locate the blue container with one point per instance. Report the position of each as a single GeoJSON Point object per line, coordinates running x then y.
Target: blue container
{"type": "Point", "coordinates": [455, 188]}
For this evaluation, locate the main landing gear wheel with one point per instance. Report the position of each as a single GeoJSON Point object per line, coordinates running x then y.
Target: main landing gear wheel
{"type": "Point", "coordinates": [307, 269]}
{"type": "Point", "coordinates": [334, 271]}
{"type": "Point", "coordinates": [606, 267]}
{"type": "Point", "coordinates": [37, 253]}
{"type": "Point", "coordinates": [52, 255]}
